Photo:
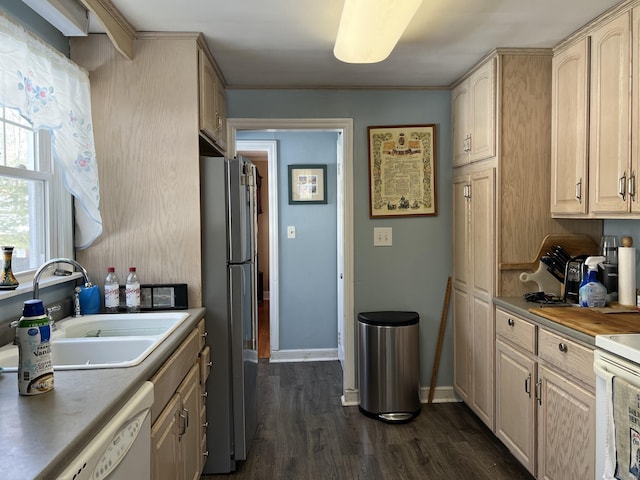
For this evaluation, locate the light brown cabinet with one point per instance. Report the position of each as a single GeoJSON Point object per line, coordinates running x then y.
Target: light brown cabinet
{"type": "Point", "coordinates": [516, 377]}
{"type": "Point", "coordinates": [473, 116]}
{"type": "Point", "coordinates": [596, 78]}
{"type": "Point", "coordinates": [545, 399]}
{"type": "Point", "coordinates": [569, 127]}
{"type": "Point", "coordinates": [178, 432]}
{"type": "Point", "coordinates": [610, 117]}
{"type": "Point", "coordinates": [212, 101]}
{"type": "Point", "coordinates": [473, 233]}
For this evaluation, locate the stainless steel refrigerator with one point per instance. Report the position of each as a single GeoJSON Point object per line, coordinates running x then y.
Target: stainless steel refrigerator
{"type": "Point", "coordinates": [228, 205]}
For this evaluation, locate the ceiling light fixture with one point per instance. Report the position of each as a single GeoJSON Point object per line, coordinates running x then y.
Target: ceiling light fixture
{"type": "Point", "coordinates": [370, 29]}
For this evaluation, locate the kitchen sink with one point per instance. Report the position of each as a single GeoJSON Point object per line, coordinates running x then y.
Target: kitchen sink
{"type": "Point", "coordinates": [120, 325]}
{"type": "Point", "coordinates": [103, 341]}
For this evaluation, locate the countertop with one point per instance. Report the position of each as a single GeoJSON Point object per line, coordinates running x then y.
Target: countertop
{"type": "Point", "coordinates": [40, 434]}
{"type": "Point", "coordinates": [581, 324]}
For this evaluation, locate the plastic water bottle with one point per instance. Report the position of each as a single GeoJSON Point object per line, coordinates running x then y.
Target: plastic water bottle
{"type": "Point", "coordinates": [111, 291]}
{"type": "Point", "coordinates": [132, 289]}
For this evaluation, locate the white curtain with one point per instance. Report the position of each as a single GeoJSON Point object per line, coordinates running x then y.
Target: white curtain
{"type": "Point", "coordinates": [53, 93]}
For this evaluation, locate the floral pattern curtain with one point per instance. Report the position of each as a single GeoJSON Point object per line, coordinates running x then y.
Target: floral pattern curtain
{"type": "Point", "coordinates": [53, 93]}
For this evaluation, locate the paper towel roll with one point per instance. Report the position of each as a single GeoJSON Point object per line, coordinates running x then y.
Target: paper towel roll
{"type": "Point", "coordinates": [627, 276]}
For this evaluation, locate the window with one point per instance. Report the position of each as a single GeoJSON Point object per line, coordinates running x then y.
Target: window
{"type": "Point", "coordinates": [35, 209]}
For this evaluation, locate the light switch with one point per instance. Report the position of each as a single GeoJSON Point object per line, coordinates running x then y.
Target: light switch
{"type": "Point", "coordinates": [291, 232]}
{"type": "Point", "coordinates": [382, 236]}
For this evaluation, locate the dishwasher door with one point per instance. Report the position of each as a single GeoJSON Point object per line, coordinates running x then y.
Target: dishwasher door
{"type": "Point", "coordinates": [122, 449]}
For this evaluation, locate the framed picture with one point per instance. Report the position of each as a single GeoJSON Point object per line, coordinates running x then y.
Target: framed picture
{"type": "Point", "coordinates": [307, 184]}
{"type": "Point", "coordinates": [402, 171]}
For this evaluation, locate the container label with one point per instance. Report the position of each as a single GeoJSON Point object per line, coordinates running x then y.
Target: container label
{"type": "Point", "coordinates": [35, 365]}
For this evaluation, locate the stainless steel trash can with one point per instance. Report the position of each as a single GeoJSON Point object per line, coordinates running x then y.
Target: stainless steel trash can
{"type": "Point", "coordinates": [389, 363]}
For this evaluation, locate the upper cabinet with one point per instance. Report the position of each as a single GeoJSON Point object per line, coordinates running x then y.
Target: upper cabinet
{"type": "Point", "coordinates": [213, 103]}
{"type": "Point", "coordinates": [569, 123]}
{"type": "Point", "coordinates": [610, 118]}
{"type": "Point", "coordinates": [473, 115]}
{"type": "Point", "coordinates": [596, 81]}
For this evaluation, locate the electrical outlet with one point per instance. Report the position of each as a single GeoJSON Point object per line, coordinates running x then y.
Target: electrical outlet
{"type": "Point", "coordinates": [291, 232]}
{"type": "Point", "coordinates": [382, 236]}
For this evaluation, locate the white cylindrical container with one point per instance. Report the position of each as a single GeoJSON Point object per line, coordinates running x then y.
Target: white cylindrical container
{"type": "Point", "coordinates": [33, 335]}
{"type": "Point", "coordinates": [627, 273]}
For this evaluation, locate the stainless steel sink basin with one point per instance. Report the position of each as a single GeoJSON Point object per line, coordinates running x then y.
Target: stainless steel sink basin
{"type": "Point", "coordinates": [103, 341]}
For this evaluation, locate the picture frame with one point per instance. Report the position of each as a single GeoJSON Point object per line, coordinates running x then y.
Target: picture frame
{"type": "Point", "coordinates": [402, 171]}
{"type": "Point", "coordinates": [307, 184]}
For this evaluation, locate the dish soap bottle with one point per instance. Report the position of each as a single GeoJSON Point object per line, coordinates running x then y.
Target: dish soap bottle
{"type": "Point", "coordinates": [592, 293]}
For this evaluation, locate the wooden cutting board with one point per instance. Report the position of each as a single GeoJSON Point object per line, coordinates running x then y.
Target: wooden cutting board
{"type": "Point", "coordinates": [592, 322]}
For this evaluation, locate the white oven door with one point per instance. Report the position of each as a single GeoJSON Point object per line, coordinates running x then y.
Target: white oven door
{"type": "Point", "coordinates": [606, 366]}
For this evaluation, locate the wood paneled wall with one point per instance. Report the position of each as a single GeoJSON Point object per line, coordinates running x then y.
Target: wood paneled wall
{"type": "Point", "coordinates": [145, 115]}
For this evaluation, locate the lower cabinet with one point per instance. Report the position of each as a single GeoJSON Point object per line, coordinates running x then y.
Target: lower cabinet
{"type": "Point", "coordinates": [178, 449]}
{"type": "Point", "coordinates": [545, 399]}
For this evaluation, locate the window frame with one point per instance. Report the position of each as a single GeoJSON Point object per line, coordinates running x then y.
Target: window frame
{"type": "Point", "coordinates": [58, 208]}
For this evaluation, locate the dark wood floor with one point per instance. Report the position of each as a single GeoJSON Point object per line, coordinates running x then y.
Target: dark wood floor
{"type": "Point", "coordinates": [304, 433]}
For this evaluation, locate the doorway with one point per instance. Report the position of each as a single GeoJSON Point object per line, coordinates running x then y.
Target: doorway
{"type": "Point", "coordinates": [345, 315]}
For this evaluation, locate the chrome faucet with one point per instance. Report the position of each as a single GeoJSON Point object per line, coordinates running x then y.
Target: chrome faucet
{"type": "Point", "coordinates": [53, 261]}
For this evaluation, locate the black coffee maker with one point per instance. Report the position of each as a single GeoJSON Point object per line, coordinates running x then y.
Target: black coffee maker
{"type": "Point", "coordinates": [574, 272]}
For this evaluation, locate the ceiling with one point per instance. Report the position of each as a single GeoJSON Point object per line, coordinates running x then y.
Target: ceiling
{"type": "Point", "coordinates": [289, 43]}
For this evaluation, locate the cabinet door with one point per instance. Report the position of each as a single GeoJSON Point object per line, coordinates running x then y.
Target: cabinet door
{"type": "Point", "coordinates": [482, 235]}
{"type": "Point", "coordinates": [207, 96]}
{"type": "Point", "coordinates": [569, 122]}
{"type": "Point", "coordinates": [482, 118]}
{"type": "Point", "coordinates": [221, 114]}
{"type": "Point", "coordinates": [609, 126]}
{"type": "Point", "coordinates": [635, 121]}
{"type": "Point", "coordinates": [482, 361]}
{"type": "Point", "coordinates": [460, 123]}
{"type": "Point", "coordinates": [566, 429]}
{"type": "Point", "coordinates": [189, 391]}
{"type": "Point", "coordinates": [461, 275]}
{"type": "Point", "coordinates": [166, 459]}
{"type": "Point", "coordinates": [462, 344]}
{"type": "Point", "coordinates": [515, 403]}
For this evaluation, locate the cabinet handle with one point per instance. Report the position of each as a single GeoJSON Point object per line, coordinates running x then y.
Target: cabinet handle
{"type": "Point", "coordinates": [631, 185]}
{"type": "Point", "coordinates": [538, 392]}
{"type": "Point", "coordinates": [527, 385]}
{"type": "Point", "coordinates": [510, 322]}
{"type": "Point", "coordinates": [469, 143]}
{"type": "Point", "coordinates": [209, 364]}
{"type": "Point", "coordinates": [184, 421]}
{"type": "Point", "coordinates": [563, 347]}
{"type": "Point", "coordinates": [622, 186]}
{"type": "Point", "coordinates": [205, 334]}
{"type": "Point", "coordinates": [205, 394]}
{"type": "Point", "coordinates": [205, 425]}
{"type": "Point", "coordinates": [579, 190]}
{"type": "Point", "coordinates": [205, 454]}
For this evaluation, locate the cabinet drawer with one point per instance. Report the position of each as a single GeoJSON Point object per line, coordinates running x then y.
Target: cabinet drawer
{"type": "Point", "coordinates": [567, 355]}
{"type": "Point", "coordinates": [173, 371]}
{"type": "Point", "coordinates": [516, 330]}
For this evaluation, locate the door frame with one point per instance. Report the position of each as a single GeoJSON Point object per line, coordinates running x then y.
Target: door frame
{"type": "Point", "coordinates": [346, 323]}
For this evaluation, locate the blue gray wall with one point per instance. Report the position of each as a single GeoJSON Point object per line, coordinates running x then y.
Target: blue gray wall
{"type": "Point", "coordinates": [308, 283]}
{"type": "Point", "coordinates": [412, 274]}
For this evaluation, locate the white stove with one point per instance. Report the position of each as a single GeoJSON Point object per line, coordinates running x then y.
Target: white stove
{"type": "Point", "coordinates": [625, 345]}
{"type": "Point", "coordinates": [615, 356]}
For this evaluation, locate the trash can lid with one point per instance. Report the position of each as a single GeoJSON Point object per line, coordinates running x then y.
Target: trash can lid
{"type": "Point", "coordinates": [389, 318]}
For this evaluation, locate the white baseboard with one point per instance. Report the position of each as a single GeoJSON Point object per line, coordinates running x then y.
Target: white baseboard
{"type": "Point", "coordinates": [309, 355]}
{"type": "Point", "coordinates": [350, 398]}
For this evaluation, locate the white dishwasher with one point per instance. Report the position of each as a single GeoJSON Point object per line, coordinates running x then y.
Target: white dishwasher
{"type": "Point", "coordinates": [122, 449]}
